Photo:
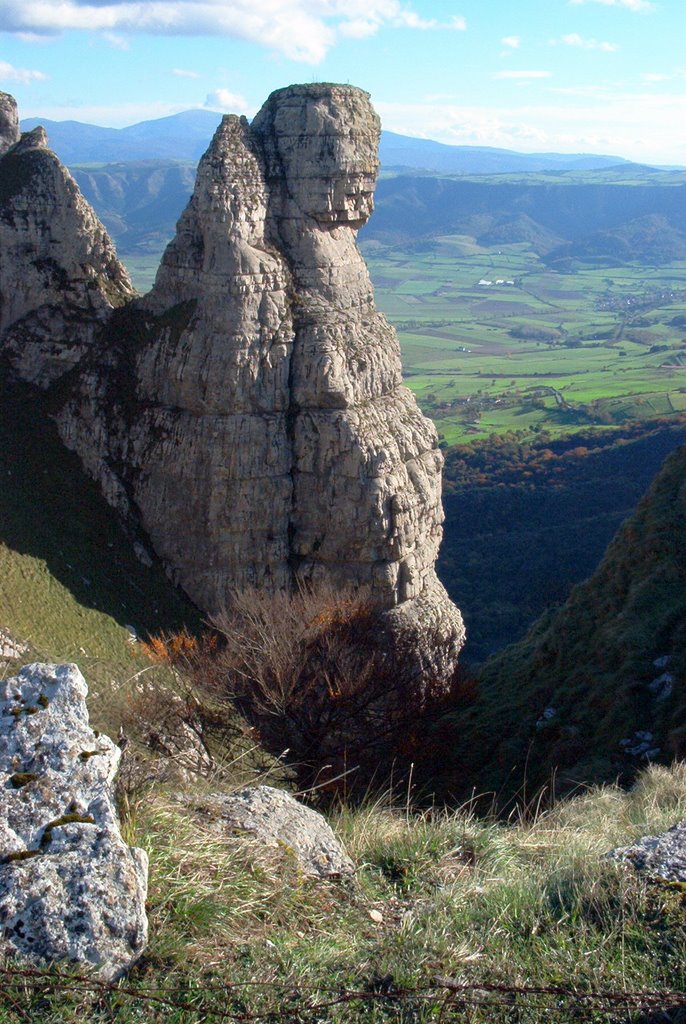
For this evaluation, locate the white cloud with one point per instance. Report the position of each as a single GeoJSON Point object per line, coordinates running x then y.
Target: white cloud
{"type": "Point", "coordinates": [301, 30]}
{"type": "Point", "coordinates": [408, 19]}
{"type": "Point", "coordinates": [574, 39]}
{"type": "Point", "coordinates": [392, 14]}
{"type": "Point", "coordinates": [636, 125]}
{"type": "Point", "coordinates": [522, 74]}
{"type": "Point", "coordinates": [117, 42]}
{"type": "Point", "coordinates": [8, 73]}
{"type": "Point", "coordinates": [358, 28]}
{"type": "Point", "coordinates": [231, 102]}
{"type": "Point", "coordinates": [655, 77]}
{"type": "Point", "coordinates": [184, 73]}
{"type": "Point", "coordinates": [513, 42]}
{"type": "Point", "coordinates": [629, 5]}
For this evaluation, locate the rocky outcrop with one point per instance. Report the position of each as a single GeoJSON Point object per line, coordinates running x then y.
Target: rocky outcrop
{"type": "Point", "coordinates": [248, 413]}
{"type": "Point", "coordinates": [250, 409]}
{"type": "Point", "coordinates": [59, 274]}
{"type": "Point", "coordinates": [9, 122]}
{"type": "Point", "coordinates": [275, 819]}
{"type": "Point", "coordinates": [70, 888]}
{"type": "Point", "coordinates": [661, 856]}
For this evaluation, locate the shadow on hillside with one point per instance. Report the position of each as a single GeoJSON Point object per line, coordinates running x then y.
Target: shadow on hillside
{"type": "Point", "coordinates": [52, 512]}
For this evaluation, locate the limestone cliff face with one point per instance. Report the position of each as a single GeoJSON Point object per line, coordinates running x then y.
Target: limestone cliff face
{"type": "Point", "coordinates": [59, 274]}
{"type": "Point", "coordinates": [366, 466]}
{"type": "Point", "coordinates": [9, 122]}
{"type": "Point", "coordinates": [249, 411]}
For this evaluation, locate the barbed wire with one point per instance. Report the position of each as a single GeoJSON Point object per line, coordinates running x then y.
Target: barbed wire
{"type": "Point", "coordinates": [447, 993]}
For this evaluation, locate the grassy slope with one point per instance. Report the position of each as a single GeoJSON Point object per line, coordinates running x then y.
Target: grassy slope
{"type": "Point", "coordinates": [592, 663]}
{"type": "Point", "coordinates": [69, 581]}
{"type": "Point", "coordinates": [236, 931]}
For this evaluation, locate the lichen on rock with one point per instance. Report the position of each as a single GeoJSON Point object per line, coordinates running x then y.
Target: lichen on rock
{"type": "Point", "coordinates": [70, 888]}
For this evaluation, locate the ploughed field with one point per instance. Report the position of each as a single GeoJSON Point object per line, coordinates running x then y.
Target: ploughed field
{"type": "Point", "coordinates": [536, 348]}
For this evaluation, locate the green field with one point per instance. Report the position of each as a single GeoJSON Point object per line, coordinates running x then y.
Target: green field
{"type": "Point", "coordinates": [539, 350]}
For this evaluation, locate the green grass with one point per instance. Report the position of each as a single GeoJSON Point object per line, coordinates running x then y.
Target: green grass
{"type": "Point", "coordinates": [236, 930]}
{"type": "Point", "coordinates": [70, 583]}
{"type": "Point", "coordinates": [434, 299]}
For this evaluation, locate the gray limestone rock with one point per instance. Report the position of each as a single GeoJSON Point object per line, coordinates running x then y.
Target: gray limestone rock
{"type": "Point", "coordinates": [248, 413]}
{"type": "Point", "coordinates": [662, 856]}
{"type": "Point", "coordinates": [250, 410]}
{"type": "Point", "coordinates": [59, 274]}
{"type": "Point", "coordinates": [70, 888]}
{"type": "Point", "coordinates": [276, 819]}
{"type": "Point", "coordinates": [10, 648]}
{"type": "Point", "coordinates": [9, 122]}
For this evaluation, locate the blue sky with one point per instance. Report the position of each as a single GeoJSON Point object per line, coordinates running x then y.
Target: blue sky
{"type": "Point", "coordinates": [559, 75]}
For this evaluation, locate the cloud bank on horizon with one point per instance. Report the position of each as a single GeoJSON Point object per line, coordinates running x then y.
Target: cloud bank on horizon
{"type": "Point", "coordinates": [569, 75]}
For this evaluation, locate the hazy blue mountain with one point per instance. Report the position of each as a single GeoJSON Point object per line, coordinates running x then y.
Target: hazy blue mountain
{"type": "Point", "coordinates": [182, 136]}
{"type": "Point", "coordinates": [401, 151]}
{"type": "Point", "coordinates": [185, 136]}
{"type": "Point", "coordinates": [139, 202]}
{"type": "Point", "coordinates": [652, 236]}
{"type": "Point", "coordinates": [408, 208]}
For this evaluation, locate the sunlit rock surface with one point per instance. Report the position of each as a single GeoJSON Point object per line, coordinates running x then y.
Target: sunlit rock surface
{"type": "Point", "coordinates": [70, 888]}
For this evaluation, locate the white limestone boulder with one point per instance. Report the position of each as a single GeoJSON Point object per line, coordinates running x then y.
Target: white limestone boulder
{"type": "Point", "coordinates": [661, 856]}
{"type": "Point", "coordinates": [70, 887]}
{"type": "Point", "coordinates": [276, 819]}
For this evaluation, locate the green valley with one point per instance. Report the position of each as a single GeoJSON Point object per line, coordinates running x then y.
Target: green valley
{"type": "Point", "coordinates": [493, 340]}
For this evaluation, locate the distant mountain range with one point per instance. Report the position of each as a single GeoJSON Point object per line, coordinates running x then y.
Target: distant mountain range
{"type": "Point", "coordinates": [597, 222]}
{"type": "Point", "coordinates": [401, 151]}
{"type": "Point", "coordinates": [566, 208]}
{"type": "Point", "coordinates": [185, 136]}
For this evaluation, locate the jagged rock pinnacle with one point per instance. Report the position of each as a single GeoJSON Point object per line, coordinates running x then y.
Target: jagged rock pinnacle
{"type": "Point", "coordinates": [59, 273]}
{"type": "Point", "coordinates": [250, 410]}
{"type": "Point", "coordinates": [9, 122]}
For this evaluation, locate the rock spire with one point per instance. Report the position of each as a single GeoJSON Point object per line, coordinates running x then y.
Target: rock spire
{"type": "Point", "coordinates": [249, 411]}
{"type": "Point", "coordinates": [59, 274]}
{"type": "Point", "coordinates": [9, 122]}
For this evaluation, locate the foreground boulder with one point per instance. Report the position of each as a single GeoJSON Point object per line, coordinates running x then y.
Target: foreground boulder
{"type": "Point", "coordinates": [661, 856]}
{"type": "Point", "coordinates": [276, 819]}
{"type": "Point", "coordinates": [70, 888]}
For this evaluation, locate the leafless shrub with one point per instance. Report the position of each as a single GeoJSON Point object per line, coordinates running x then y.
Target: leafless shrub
{"type": "Point", "coordinates": [317, 673]}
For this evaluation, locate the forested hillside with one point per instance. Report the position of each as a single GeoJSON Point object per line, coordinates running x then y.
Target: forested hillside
{"type": "Point", "coordinates": [596, 689]}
